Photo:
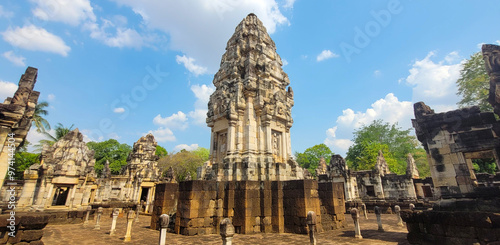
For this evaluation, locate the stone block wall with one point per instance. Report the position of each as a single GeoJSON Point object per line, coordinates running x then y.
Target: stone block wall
{"type": "Point", "coordinates": [28, 228]}
{"type": "Point", "coordinates": [441, 227]}
{"type": "Point", "coordinates": [299, 197]}
{"type": "Point", "coordinates": [165, 202]}
{"type": "Point", "coordinates": [398, 187]}
{"type": "Point", "coordinates": [331, 196]}
{"type": "Point", "coordinates": [253, 206]}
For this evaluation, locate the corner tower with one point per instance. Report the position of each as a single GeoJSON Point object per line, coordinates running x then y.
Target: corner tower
{"type": "Point", "coordinates": [250, 111]}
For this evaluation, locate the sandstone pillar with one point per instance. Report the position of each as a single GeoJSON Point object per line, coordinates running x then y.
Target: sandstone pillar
{"type": "Point", "coordinates": [412, 207]}
{"type": "Point", "coordinates": [116, 212]}
{"type": "Point", "coordinates": [355, 218]}
{"type": "Point", "coordinates": [397, 210]}
{"type": "Point", "coordinates": [98, 219]}
{"type": "Point", "coordinates": [164, 220]}
{"type": "Point", "coordinates": [311, 223]}
{"type": "Point", "coordinates": [226, 231]}
{"type": "Point", "coordinates": [86, 222]}
{"type": "Point", "coordinates": [365, 212]}
{"type": "Point", "coordinates": [130, 220]}
{"type": "Point", "coordinates": [379, 220]}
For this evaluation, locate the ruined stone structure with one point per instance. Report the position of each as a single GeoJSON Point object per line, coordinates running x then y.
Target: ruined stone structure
{"type": "Point", "coordinates": [15, 118]}
{"type": "Point", "coordinates": [64, 178]}
{"type": "Point", "coordinates": [371, 185]}
{"type": "Point", "coordinates": [137, 181]}
{"type": "Point", "coordinates": [467, 212]}
{"type": "Point", "coordinates": [250, 111]}
{"type": "Point", "coordinates": [251, 177]}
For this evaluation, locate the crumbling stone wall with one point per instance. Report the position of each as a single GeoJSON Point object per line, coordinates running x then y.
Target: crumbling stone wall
{"type": "Point", "coordinates": [27, 228]}
{"type": "Point", "coordinates": [16, 114]}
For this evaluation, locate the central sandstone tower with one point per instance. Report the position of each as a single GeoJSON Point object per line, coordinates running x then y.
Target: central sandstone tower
{"type": "Point", "coordinates": [250, 111]}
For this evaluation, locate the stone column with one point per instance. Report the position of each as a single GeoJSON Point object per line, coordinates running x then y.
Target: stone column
{"type": "Point", "coordinates": [379, 221]}
{"type": "Point", "coordinates": [311, 223]}
{"type": "Point", "coordinates": [116, 212]}
{"type": "Point", "coordinates": [355, 218]}
{"type": "Point", "coordinates": [164, 220]}
{"type": "Point", "coordinates": [98, 219]}
{"type": "Point", "coordinates": [139, 207]}
{"type": "Point", "coordinates": [412, 207]}
{"type": "Point", "coordinates": [397, 210]}
{"type": "Point", "coordinates": [365, 212]}
{"type": "Point", "coordinates": [226, 231]}
{"type": "Point", "coordinates": [130, 220]}
{"type": "Point", "coordinates": [86, 222]}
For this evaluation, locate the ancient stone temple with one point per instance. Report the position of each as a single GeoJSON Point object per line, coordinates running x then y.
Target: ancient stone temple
{"type": "Point", "coordinates": [65, 177]}
{"type": "Point", "coordinates": [467, 210]}
{"type": "Point", "coordinates": [15, 118]}
{"type": "Point", "coordinates": [251, 177]}
{"type": "Point", "coordinates": [137, 180]}
{"type": "Point", "coordinates": [250, 111]}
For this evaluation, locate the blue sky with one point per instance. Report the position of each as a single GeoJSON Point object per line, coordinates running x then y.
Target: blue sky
{"type": "Point", "coordinates": [123, 68]}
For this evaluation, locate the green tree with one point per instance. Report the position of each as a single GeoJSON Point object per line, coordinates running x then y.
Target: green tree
{"type": "Point", "coordinates": [420, 157]}
{"type": "Point", "coordinates": [486, 165]}
{"type": "Point", "coordinates": [160, 151]}
{"type": "Point", "coordinates": [23, 160]}
{"type": "Point", "coordinates": [41, 123]}
{"type": "Point", "coordinates": [474, 84]}
{"type": "Point", "coordinates": [369, 153]}
{"type": "Point", "coordinates": [203, 153]}
{"type": "Point", "coordinates": [112, 151]}
{"type": "Point", "coordinates": [399, 143]}
{"type": "Point", "coordinates": [310, 158]}
{"type": "Point", "coordinates": [184, 163]}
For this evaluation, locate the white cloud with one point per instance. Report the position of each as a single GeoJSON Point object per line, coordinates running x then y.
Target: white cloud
{"type": "Point", "coordinates": [5, 13]}
{"type": "Point", "coordinates": [175, 121]}
{"type": "Point", "coordinates": [326, 54]}
{"type": "Point", "coordinates": [188, 62]}
{"type": "Point", "coordinates": [435, 83]}
{"type": "Point", "coordinates": [36, 39]}
{"type": "Point", "coordinates": [51, 97]}
{"type": "Point", "coordinates": [289, 4]}
{"type": "Point", "coordinates": [163, 134]}
{"type": "Point", "coordinates": [7, 89]}
{"type": "Point", "coordinates": [203, 42]}
{"type": "Point", "coordinates": [377, 73]}
{"type": "Point", "coordinates": [285, 62]}
{"type": "Point", "coordinates": [71, 12]}
{"type": "Point", "coordinates": [16, 60]}
{"type": "Point", "coordinates": [186, 147]}
{"type": "Point", "coordinates": [119, 110]}
{"type": "Point", "coordinates": [202, 94]}
{"type": "Point", "coordinates": [390, 109]}
{"type": "Point", "coordinates": [123, 38]}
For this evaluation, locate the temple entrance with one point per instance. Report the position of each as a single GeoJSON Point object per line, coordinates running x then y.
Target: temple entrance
{"type": "Point", "coordinates": [60, 195]}
{"type": "Point", "coordinates": [144, 194]}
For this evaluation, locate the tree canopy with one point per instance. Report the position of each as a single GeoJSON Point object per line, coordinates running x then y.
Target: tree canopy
{"type": "Point", "coordinates": [160, 151]}
{"type": "Point", "coordinates": [112, 151]}
{"type": "Point", "coordinates": [60, 132]}
{"type": "Point", "coordinates": [394, 142]}
{"type": "Point", "coordinates": [474, 83]}
{"type": "Point", "coordinates": [184, 162]}
{"type": "Point", "coordinates": [41, 123]}
{"type": "Point", "coordinates": [23, 160]}
{"type": "Point", "coordinates": [310, 158]}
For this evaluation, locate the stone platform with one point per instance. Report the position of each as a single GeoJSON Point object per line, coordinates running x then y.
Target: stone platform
{"type": "Point", "coordinates": [76, 234]}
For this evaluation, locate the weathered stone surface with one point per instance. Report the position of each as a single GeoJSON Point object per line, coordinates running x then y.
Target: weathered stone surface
{"type": "Point", "coordinates": [381, 165]}
{"type": "Point", "coordinates": [411, 167]}
{"type": "Point", "coordinates": [69, 156]}
{"type": "Point", "coordinates": [250, 111]}
{"type": "Point", "coordinates": [143, 161]}
{"type": "Point", "coordinates": [16, 114]}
